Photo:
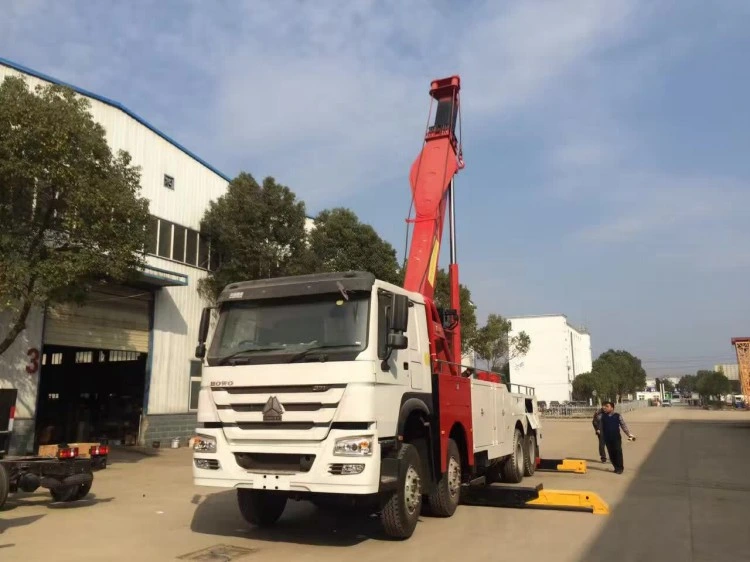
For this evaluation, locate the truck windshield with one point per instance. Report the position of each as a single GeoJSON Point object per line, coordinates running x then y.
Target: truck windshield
{"type": "Point", "coordinates": [273, 331]}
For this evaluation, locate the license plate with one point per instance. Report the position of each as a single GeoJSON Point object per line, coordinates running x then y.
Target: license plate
{"type": "Point", "coordinates": [271, 482]}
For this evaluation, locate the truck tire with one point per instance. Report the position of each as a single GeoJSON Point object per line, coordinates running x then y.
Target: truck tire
{"type": "Point", "coordinates": [4, 486]}
{"type": "Point", "coordinates": [513, 465]}
{"type": "Point", "coordinates": [83, 491]}
{"type": "Point", "coordinates": [447, 494]}
{"type": "Point", "coordinates": [261, 507]}
{"type": "Point", "coordinates": [529, 454]}
{"type": "Point", "coordinates": [401, 512]}
{"type": "Point", "coordinates": [64, 493]}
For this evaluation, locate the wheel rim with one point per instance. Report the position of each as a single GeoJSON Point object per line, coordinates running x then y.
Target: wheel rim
{"type": "Point", "coordinates": [532, 452]}
{"type": "Point", "coordinates": [454, 476]}
{"type": "Point", "coordinates": [412, 490]}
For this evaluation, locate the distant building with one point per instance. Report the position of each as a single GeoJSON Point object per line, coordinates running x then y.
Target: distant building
{"type": "Point", "coordinates": [730, 370]}
{"type": "Point", "coordinates": [559, 352]}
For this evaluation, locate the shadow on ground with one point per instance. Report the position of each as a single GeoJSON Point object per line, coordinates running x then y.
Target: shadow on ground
{"type": "Point", "coordinates": [302, 523]}
{"type": "Point", "coordinates": [42, 497]}
{"type": "Point", "coordinates": [688, 500]}
{"type": "Point", "coordinates": [9, 522]}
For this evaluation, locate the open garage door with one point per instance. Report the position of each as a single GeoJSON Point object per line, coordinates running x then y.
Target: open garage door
{"type": "Point", "coordinates": [114, 318]}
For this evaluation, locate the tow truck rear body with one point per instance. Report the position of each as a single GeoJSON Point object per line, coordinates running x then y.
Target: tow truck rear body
{"type": "Point", "coordinates": [68, 476]}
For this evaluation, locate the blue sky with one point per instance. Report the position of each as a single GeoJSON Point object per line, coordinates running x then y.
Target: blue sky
{"type": "Point", "coordinates": [606, 143]}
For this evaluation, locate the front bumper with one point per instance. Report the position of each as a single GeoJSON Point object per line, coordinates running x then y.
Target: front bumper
{"type": "Point", "coordinates": [320, 475]}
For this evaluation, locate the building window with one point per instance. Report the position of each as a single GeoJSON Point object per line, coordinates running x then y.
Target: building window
{"type": "Point", "coordinates": [165, 239]}
{"type": "Point", "coordinates": [179, 243]}
{"type": "Point", "coordinates": [168, 182]}
{"type": "Point", "coordinates": [196, 368]}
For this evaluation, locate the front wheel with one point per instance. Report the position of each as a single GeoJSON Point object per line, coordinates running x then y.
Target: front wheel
{"type": "Point", "coordinates": [261, 507]}
{"type": "Point", "coordinates": [401, 512]}
{"type": "Point", "coordinates": [444, 500]}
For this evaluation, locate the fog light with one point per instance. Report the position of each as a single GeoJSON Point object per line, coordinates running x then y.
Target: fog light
{"type": "Point", "coordinates": [207, 464]}
{"type": "Point", "coordinates": [345, 468]}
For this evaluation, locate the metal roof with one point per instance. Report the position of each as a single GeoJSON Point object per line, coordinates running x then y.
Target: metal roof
{"type": "Point", "coordinates": [115, 104]}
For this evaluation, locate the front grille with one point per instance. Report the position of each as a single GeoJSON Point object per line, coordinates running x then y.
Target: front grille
{"type": "Point", "coordinates": [292, 407]}
{"type": "Point", "coordinates": [270, 462]}
{"type": "Point", "coordinates": [307, 388]}
{"type": "Point", "coordinates": [279, 425]}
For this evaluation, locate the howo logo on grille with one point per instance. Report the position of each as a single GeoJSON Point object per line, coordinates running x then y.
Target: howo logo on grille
{"type": "Point", "coordinates": [273, 410]}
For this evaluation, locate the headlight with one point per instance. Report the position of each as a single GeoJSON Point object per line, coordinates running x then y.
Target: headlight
{"type": "Point", "coordinates": [204, 444]}
{"type": "Point", "coordinates": [354, 446]}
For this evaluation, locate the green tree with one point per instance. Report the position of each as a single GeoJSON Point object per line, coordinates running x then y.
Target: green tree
{"type": "Point", "coordinates": [494, 344]}
{"type": "Point", "coordinates": [621, 372]}
{"type": "Point", "coordinates": [70, 211]}
{"type": "Point", "coordinates": [688, 383]}
{"type": "Point", "coordinates": [340, 242]}
{"type": "Point", "coordinates": [584, 386]}
{"type": "Point", "coordinates": [256, 232]}
{"type": "Point", "coordinates": [668, 385]}
{"type": "Point", "coordinates": [712, 384]}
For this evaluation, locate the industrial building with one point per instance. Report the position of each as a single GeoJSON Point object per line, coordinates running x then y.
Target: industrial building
{"type": "Point", "coordinates": [558, 353]}
{"type": "Point", "coordinates": [730, 370]}
{"type": "Point", "coordinates": [122, 367]}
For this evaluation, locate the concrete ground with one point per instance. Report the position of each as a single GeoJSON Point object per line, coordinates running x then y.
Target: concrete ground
{"type": "Point", "coordinates": [683, 496]}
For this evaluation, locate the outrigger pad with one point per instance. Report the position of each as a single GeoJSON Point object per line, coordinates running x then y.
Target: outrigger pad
{"type": "Point", "coordinates": [562, 465]}
{"type": "Point", "coordinates": [534, 498]}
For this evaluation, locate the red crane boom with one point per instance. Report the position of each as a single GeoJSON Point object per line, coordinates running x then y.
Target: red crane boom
{"type": "Point", "coordinates": [431, 181]}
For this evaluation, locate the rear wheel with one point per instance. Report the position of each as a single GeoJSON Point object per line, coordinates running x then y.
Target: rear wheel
{"type": "Point", "coordinates": [401, 512]}
{"type": "Point", "coordinates": [4, 486]}
{"type": "Point", "coordinates": [513, 465]}
{"type": "Point", "coordinates": [65, 493]}
{"type": "Point", "coordinates": [261, 507]}
{"type": "Point", "coordinates": [83, 491]}
{"type": "Point", "coordinates": [444, 500]}
{"type": "Point", "coordinates": [529, 454]}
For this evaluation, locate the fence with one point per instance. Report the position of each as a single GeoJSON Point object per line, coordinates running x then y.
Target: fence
{"type": "Point", "coordinates": [584, 411]}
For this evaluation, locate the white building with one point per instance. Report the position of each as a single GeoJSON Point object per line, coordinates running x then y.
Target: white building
{"type": "Point", "coordinates": [730, 370]}
{"type": "Point", "coordinates": [122, 367]}
{"type": "Point", "coordinates": [558, 353]}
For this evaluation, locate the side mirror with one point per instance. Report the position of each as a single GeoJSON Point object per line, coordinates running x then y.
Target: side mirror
{"type": "Point", "coordinates": [400, 313]}
{"type": "Point", "coordinates": [200, 351]}
{"type": "Point", "coordinates": [397, 340]}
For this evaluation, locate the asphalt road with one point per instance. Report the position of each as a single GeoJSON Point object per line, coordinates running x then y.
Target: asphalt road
{"type": "Point", "coordinates": [683, 496]}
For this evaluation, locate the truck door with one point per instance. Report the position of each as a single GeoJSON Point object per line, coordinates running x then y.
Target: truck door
{"type": "Point", "coordinates": [398, 362]}
{"type": "Point", "coordinates": [417, 347]}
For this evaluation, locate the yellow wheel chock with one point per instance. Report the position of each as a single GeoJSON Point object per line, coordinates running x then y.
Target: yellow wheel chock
{"type": "Point", "coordinates": [575, 500]}
{"type": "Point", "coordinates": [577, 466]}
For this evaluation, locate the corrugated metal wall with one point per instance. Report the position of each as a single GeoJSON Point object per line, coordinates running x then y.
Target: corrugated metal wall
{"type": "Point", "coordinates": [177, 309]}
{"type": "Point", "coordinates": [177, 312]}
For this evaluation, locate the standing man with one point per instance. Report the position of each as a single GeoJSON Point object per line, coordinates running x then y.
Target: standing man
{"type": "Point", "coordinates": [596, 421]}
{"type": "Point", "coordinates": [610, 424]}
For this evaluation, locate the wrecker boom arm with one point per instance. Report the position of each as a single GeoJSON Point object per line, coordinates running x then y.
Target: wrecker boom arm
{"type": "Point", "coordinates": [431, 181]}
